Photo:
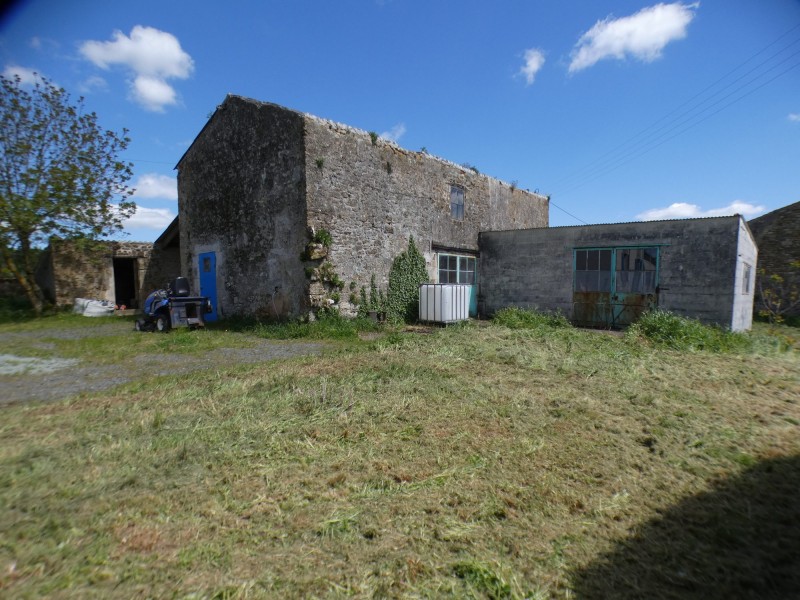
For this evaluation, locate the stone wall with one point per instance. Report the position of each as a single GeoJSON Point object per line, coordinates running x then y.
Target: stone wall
{"type": "Point", "coordinates": [241, 189]}
{"type": "Point", "coordinates": [700, 272]}
{"type": "Point", "coordinates": [69, 270]}
{"type": "Point", "coordinates": [778, 237]}
{"type": "Point", "coordinates": [372, 196]}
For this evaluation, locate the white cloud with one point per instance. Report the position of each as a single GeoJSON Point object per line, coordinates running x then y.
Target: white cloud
{"type": "Point", "coordinates": [794, 117]}
{"type": "Point", "coordinates": [154, 56]}
{"type": "Point", "coordinates": [150, 218]}
{"type": "Point", "coordinates": [153, 93]}
{"type": "Point", "coordinates": [153, 185]}
{"type": "Point", "coordinates": [92, 84]}
{"type": "Point", "coordinates": [642, 35]}
{"type": "Point", "coordinates": [534, 60]}
{"type": "Point", "coordinates": [26, 76]}
{"type": "Point", "coordinates": [395, 133]}
{"type": "Point", "coordinates": [684, 210]}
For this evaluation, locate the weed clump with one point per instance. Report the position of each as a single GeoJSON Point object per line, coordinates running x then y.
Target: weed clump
{"type": "Point", "coordinates": [679, 333]}
{"type": "Point", "coordinates": [522, 318]}
{"type": "Point", "coordinates": [328, 326]}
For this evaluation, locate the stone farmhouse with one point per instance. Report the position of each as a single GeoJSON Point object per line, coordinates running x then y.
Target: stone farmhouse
{"type": "Point", "coordinates": [261, 182]}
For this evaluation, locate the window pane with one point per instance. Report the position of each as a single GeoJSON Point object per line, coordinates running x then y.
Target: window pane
{"type": "Point", "coordinates": [603, 281]}
{"type": "Point", "coordinates": [585, 281]}
{"type": "Point", "coordinates": [636, 282]}
{"type": "Point", "coordinates": [580, 260]}
{"type": "Point", "coordinates": [456, 202]}
{"type": "Point", "coordinates": [650, 257]}
{"type": "Point", "coordinates": [593, 257]}
{"type": "Point", "coordinates": [605, 260]}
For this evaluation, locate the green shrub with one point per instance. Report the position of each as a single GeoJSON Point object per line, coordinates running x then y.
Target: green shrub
{"type": "Point", "coordinates": [407, 273]}
{"type": "Point", "coordinates": [323, 236]}
{"type": "Point", "coordinates": [670, 330]}
{"type": "Point", "coordinates": [15, 309]}
{"type": "Point", "coordinates": [523, 318]}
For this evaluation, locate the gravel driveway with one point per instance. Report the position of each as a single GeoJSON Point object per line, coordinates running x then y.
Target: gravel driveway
{"type": "Point", "coordinates": [23, 379]}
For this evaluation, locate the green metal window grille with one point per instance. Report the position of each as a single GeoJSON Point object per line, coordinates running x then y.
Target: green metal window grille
{"type": "Point", "coordinates": [631, 270]}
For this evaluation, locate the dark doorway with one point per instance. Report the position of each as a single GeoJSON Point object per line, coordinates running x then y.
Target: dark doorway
{"type": "Point", "coordinates": [125, 282]}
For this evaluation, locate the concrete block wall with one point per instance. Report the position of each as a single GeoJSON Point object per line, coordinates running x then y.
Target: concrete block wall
{"type": "Point", "coordinates": [699, 262]}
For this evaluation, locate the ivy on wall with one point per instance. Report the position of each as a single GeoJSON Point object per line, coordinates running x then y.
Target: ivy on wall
{"type": "Point", "coordinates": [407, 273]}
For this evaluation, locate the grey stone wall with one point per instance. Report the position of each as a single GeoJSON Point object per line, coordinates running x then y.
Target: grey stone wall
{"type": "Point", "coordinates": [372, 196]}
{"type": "Point", "coordinates": [241, 190]}
{"type": "Point", "coordinates": [698, 265]}
{"type": "Point", "coordinates": [68, 271]}
{"type": "Point", "coordinates": [778, 237]}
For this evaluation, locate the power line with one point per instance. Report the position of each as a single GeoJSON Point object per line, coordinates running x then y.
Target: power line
{"type": "Point", "coordinates": [653, 136]}
{"type": "Point", "coordinates": [647, 146]}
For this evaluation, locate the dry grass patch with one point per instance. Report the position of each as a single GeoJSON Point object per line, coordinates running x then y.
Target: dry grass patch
{"type": "Point", "coordinates": [486, 461]}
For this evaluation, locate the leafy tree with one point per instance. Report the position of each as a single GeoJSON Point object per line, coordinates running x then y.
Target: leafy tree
{"type": "Point", "coordinates": [59, 176]}
{"type": "Point", "coordinates": [407, 273]}
{"type": "Point", "coordinates": [777, 296]}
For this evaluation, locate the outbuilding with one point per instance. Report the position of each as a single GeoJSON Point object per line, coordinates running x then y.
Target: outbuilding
{"type": "Point", "coordinates": [608, 275]}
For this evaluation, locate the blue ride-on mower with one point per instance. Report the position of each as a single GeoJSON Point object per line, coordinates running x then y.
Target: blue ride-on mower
{"type": "Point", "coordinates": [173, 307]}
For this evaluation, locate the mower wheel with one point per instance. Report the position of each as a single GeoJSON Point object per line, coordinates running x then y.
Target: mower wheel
{"type": "Point", "coordinates": [162, 323]}
{"type": "Point", "coordinates": [139, 325]}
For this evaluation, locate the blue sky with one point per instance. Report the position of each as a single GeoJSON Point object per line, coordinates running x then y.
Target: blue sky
{"type": "Point", "coordinates": [621, 110]}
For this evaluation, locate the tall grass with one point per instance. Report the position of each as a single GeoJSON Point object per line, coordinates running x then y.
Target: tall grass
{"type": "Point", "coordinates": [521, 318]}
{"type": "Point", "coordinates": [679, 333]}
{"type": "Point", "coordinates": [483, 462]}
{"type": "Point", "coordinates": [327, 327]}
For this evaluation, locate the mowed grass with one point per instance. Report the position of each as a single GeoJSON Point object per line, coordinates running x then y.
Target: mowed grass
{"type": "Point", "coordinates": [483, 462]}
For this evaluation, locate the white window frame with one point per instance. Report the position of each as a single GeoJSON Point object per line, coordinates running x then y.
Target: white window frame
{"type": "Point", "coordinates": [457, 265]}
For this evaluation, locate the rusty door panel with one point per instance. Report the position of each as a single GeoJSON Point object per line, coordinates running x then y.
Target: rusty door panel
{"type": "Point", "coordinates": [591, 309]}
{"type": "Point", "coordinates": [601, 309]}
{"type": "Point", "coordinates": [629, 307]}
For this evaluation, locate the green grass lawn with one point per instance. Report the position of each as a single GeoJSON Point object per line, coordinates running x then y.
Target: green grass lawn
{"type": "Point", "coordinates": [476, 461]}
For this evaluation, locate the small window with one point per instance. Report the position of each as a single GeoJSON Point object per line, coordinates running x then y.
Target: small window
{"type": "Point", "coordinates": [457, 269]}
{"type": "Point", "coordinates": [457, 202]}
{"type": "Point", "coordinates": [636, 270]}
{"type": "Point", "coordinates": [206, 265]}
{"type": "Point", "coordinates": [593, 270]}
{"type": "Point", "coordinates": [747, 274]}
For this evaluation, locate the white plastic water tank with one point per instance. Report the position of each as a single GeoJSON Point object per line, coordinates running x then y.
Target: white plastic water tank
{"type": "Point", "coordinates": [444, 302]}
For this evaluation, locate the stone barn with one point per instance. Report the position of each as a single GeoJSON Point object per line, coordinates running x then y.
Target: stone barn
{"type": "Point", "coordinates": [608, 275]}
{"type": "Point", "coordinates": [122, 273]}
{"type": "Point", "coordinates": [261, 183]}
{"type": "Point", "coordinates": [778, 237]}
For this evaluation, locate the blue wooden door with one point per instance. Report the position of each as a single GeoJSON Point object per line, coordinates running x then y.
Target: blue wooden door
{"type": "Point", "coordinates": [208, 282]}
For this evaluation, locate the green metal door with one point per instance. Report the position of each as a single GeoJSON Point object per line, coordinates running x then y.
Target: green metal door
{"type": "Point", "coordinates": [613, 287]}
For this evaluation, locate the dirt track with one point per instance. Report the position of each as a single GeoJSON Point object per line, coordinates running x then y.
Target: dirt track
{"type": "Point", "coordinates": [26, 379]}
